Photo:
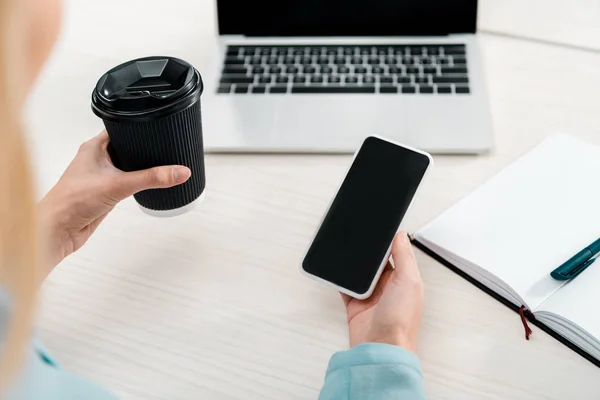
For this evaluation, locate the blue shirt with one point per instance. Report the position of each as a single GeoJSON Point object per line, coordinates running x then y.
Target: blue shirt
{"type": "Point", "coordinates": [370, 371]}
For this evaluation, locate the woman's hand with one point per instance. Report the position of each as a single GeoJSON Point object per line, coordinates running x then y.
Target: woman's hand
{"type": "Point", "coordinates": [87, 191]}
{"type": "Point", "coordinates": [393, 313]}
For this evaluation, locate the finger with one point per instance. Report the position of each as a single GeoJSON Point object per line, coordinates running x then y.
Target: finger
{"type": "Point", "coordinates": [381, 285]}
{"type": "Point", "coordinates": [129, 183]}
{"type": "Point", "coordinates": [346, 299]}
{"type": "Point", "coordinates": [102, 138]}
{"type": "Point", "coordinates": [404, 257]}
{"type": "Point", "coordinates": [99, 141]}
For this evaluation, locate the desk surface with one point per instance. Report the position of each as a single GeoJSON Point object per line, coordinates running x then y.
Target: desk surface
{"type": "Point", "coordinates": [211, 305]}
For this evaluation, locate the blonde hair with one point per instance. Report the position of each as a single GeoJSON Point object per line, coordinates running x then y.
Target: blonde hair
{"type": "Point", "coordinates": [17, 207]}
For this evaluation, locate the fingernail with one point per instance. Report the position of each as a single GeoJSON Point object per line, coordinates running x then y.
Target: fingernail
{"type": "Point", "coordinates": [181, 174]}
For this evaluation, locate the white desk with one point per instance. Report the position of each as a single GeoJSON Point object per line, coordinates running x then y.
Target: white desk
{"type": "Point", "coordinates": [211, 305]}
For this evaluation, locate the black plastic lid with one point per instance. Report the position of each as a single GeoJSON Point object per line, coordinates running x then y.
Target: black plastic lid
{"type": "Point", "coordinates": [146, 88]}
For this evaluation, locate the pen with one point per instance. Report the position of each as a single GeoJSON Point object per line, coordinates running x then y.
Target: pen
{"type": "Point", "coordinates": [578, 263]}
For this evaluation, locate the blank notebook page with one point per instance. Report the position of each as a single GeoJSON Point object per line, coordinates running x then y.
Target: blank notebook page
{"type": "Point", "coordinates": [578, 300]}
{"type": "Point", "coordinates": [528, 219]}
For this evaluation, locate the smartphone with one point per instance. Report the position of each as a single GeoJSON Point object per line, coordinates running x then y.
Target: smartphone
{"type": "Point", "coordinates": [353, 243]}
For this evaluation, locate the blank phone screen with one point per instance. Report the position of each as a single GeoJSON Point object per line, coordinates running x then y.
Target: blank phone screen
{"type": "Point", "coordinates": [359, 226]}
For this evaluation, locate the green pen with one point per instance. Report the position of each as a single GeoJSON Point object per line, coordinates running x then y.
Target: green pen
{"type": "Point", "coordinates": [578, 263]}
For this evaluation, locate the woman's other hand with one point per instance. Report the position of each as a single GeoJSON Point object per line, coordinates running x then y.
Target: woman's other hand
{"type": "Point", "coordinates": [87, 191]}
{"type": "Point", "coordinates": [392, 314]}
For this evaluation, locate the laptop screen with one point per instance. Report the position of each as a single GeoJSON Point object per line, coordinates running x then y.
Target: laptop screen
{"type": "Point", "coordinates": [346, 17]}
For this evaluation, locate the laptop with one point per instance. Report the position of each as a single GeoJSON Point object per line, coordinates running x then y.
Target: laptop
{"type": "Point", "coordinates": [318, 76]}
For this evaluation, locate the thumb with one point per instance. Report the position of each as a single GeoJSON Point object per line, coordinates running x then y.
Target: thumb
{"type": "Point", "coordinates": [405, 263]}
{"type": "Point", "coordinates": [129, 183]}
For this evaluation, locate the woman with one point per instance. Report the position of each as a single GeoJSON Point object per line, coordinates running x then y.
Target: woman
{"type": "Point", "coordinates": [383, 329]}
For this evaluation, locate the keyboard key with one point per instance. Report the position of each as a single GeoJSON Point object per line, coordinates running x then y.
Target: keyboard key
{"type": "Point", "coordinates": [454, 70]}
{"type": "Point", "coordinates": [444, 89]}
{"type": "Point", "coordinates": [433, 50]}
{"type": "Point", "coordinates": [374, 61]}
{"type": "Point", "coordinates": [309, 70]}
{"type": "Point", "coordinates": [316, 79]}
{"type": "Point", "coordinates": [395, 70]}
{"type": "Point", "coordinates": [259, 89]}
{"type": "Point", "coordinates": [357, 60]}
{"type": "Point", "coordinates": [451, 79]}
{"type": "Point", "coordinates": [462, 89]}
{"type": "Point", "coordinates": [422, 79]}
{"type": "Point", "coordinates": [382, 52]}
{"type": "Point", "coordinates": [343, 70]}
{"type": "Point", "coordinates": [334, 79]}
{"type": "Point", "coordinates": [348, 51]}
{"type": "Point", "coordinates": [459, 60]}
{"type": "Point", "coordinates": [331, 53]}
{"type": "Point", "coordinates": [404, 79]}
{"type": "Point", "coordinates": [408, 61]}
{"type": "Point", "coordinates": [282, 79]}
{"type": "Point", "coordinates": [323, 60]}
{"type": "Point", "coordinates": [360, 70]}
{"type": "Point", "coordinates": [258, 70]}
{"type": "Point", "coordinates": [326, 70]}
{"type": "Point", "coordinates": [265, 52]}
{"type": "Point", "coordinates": [413, 70]}
{"type": "Point", "coordinates": [315, 51]}
{"type": "Point", "coordinates": [368, 80]}
{"type": "Point", "coordinates": [292, 70]}
{"type": "Point", "coordinates": [340, 60]}
{"type": "Point", "coordinates": [278, 89]}
{"type": "Point", "coordinates": [377, 70]}
{"type": "Point", "coordinates": [272, 60]}
{"type": "Point", "coordinates": [224, 89]}
{"type": "Point", "coordinates": [233, 61]}
{"type": "Point", "coordinates": [430, 70]}
{"type": "Point", "coordinates": [255, 61]}
{"type": "Point", "coordinates": [237, 79]}
{"type": "Point", "coordinates": [298, 52]}
{"type": "Point", "coordinates": [289, 60]}
{"type": "Point", "coordinates": [264, 79]}
{"type": "Point", "coordinates": [458, 49]}
{"type": "Point", "coordinates": [425, 61]}
{"type": "Point", "coordinates": [351, 79]}
{"type": "Point", "coordinates": [409, 89]}
{"type": "Point", "coordinates": [390, 60]}
{"type": "Point", "coordinates": [241, 88]}
{"type": "Point", "coordinates": [299, 79]}
{"type": "Point", "coordinates": [443, 61]}
{"type": "Point", "coordinates": [333, 89]}
{"type": "Point", "coordinates": [234, 69]}
{"type": "Point", "coordinates": [232, 51]}
{"type": "Point", "coordinates": [425, 89]}
{"type": "Point", "coordinates": [386, 79]}
{"type": "Point", "coordinates": [275, 70]}
{"type": "Point", "coordinates": [306, 60]}
{"type": "Point", "coordinates": [388, 89]}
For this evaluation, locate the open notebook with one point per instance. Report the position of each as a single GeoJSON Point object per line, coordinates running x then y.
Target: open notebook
{"type": "Point", "coordinates": [511, 232]}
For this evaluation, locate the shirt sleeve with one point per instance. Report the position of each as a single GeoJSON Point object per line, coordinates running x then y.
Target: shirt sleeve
{"type": "Point", "coordinates": [373, 371]}
{"type": "Point", "coordinates": [42, 379]}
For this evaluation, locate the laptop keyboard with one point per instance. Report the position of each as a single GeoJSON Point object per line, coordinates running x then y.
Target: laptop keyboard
{"type": "Point", "coordinates": [391, 69]}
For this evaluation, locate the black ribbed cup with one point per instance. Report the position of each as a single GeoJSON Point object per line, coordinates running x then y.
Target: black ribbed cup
{"type": "Point", "coordinates": [151, 110]}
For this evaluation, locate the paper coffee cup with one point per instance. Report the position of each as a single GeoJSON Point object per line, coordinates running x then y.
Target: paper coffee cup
{"type": "Point", "coordinates": [151, 110]}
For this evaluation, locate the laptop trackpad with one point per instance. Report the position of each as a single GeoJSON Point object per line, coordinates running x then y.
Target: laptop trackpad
{"type": "Point", "coordinates": [334, 122]}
